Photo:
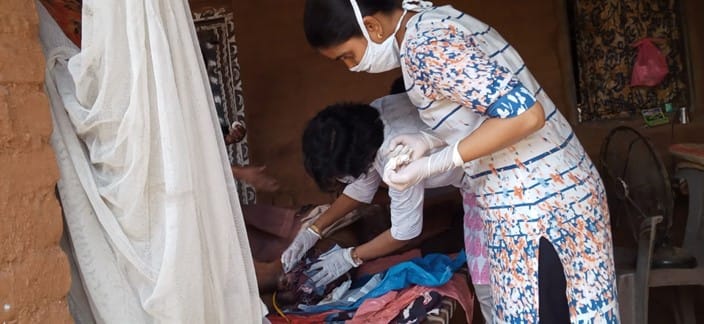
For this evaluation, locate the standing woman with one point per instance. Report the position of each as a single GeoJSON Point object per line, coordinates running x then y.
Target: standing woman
{"type": "Point", "coordinates": [540, 197]}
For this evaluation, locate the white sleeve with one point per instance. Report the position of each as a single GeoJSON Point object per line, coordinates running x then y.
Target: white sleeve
{"type": "Point", "coordinates": [407, 212]}
{"type": "Point", "coordinates": [364, 188]}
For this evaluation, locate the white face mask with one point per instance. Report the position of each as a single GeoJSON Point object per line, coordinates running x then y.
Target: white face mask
{"type": "Point", "coordinates": [377, 57]}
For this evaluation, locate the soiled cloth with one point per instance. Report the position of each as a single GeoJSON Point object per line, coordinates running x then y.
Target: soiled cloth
{"type": "Point", "coordinates": [357, 302]}
{"type": "Point", "coordinates": [296, 287]}
{"type": "Point", "coordinates": [350, 296]}
{"type": "Point", "coordinates": [432, 270]}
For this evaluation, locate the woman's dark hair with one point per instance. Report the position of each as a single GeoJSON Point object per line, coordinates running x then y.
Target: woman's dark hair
{"type": "Point", "coordinates": [331, 22]}
{"type": "Point", "coordinates": [342, 140]}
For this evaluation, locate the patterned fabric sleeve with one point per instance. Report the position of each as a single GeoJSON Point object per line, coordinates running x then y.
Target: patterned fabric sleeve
{"type": "Point", "coordinates": [445, 63]}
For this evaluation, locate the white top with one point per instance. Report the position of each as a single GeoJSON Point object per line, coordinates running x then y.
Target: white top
{"type": "Point", "coordinates": [400, 117]}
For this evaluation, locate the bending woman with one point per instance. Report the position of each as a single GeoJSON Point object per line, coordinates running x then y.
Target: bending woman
{"type": "Point", "coordinates": [342, 145]}
{"type": "Point", "coordinates": [541, 199]}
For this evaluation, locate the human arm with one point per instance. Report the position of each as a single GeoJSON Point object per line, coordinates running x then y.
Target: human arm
{"type": "Point", "coordinates": [493, 135]}
{"type": "Point", "coordinates": [496, 133]}
{"type": "Point", "coordinates": [307, 237]}
{"type": "Point", "coordinates": [383, 244]}
{"type": "Point", "coordinates": [338, 209]}
{"type": "Point", "coordinates": [470, 78]}
{"type": "Point", "coordinates": [420, 143]}
{"type": "Point", "coordinates": [360, 191]}
{"type": "Point", "coordinates": [332, 265]}
{"type": "Point", "coordinates": [357, 193]}
{"type": "Point", "coordinates": [406, 224]}
{"type": "Point", "coordinates": [406, 216]}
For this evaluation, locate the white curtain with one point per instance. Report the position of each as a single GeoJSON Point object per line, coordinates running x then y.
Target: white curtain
{"type": "Point", "coordinates": [149, 199]}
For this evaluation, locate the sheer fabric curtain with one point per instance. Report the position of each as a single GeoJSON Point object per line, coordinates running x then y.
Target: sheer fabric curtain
{"type": "Point", "coordinates": [146, 188]}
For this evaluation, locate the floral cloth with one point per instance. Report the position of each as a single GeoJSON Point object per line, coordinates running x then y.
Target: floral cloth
{"type": "Point", "coordinates": [604, 32]}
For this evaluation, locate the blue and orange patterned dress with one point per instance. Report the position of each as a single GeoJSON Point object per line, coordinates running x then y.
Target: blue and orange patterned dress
{"type": "Point", "coordinates": [460, 72]}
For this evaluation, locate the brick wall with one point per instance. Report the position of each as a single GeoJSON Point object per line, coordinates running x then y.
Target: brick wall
{"type": "Point", "coordinates": [34, 272]}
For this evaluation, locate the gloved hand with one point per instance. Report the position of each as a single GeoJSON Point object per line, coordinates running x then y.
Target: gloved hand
{"type": "Point", "coordinates": [332, 265]}
{"type": "Point", "coordinates": [420, 143]}
{"type": "Point", "coordinates": [425, 167]}
{"type": "Point", "coordinates": [300, 245]}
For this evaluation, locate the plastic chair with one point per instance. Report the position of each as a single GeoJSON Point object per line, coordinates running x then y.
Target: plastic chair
{"type": "Point", "coordinates": [634, 283]}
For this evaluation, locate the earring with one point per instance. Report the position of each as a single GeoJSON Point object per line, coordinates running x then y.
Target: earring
{"type": "Point", "coordinates": [379, 36]}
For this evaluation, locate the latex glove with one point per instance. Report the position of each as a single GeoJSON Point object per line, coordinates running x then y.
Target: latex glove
{"type": "Point", "coordinates": [420, 143]}
{"type": "Point", "coordinates": [332, 265]}
{"type": "Point", "coordinates": [398, 157]}
{"type": "Point", "coordinates": [300, 245]}
{"type": "Point", "coordinates": [423, 168]}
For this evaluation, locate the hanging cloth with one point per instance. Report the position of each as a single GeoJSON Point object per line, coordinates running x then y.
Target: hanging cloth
{"type": "Point", "coordinates": [146, 187]}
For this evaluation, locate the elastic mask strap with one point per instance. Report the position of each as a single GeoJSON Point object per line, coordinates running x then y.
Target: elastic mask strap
{"type": "Point", "coordinates": [360, 21]}
{"type": "Point", "coordinates": [400, 20]}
